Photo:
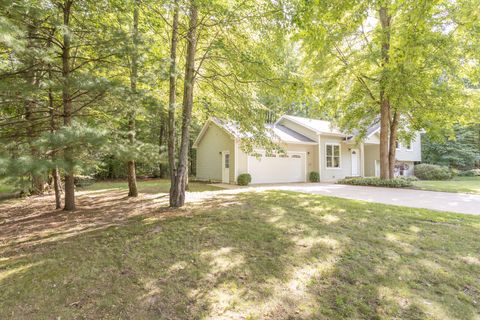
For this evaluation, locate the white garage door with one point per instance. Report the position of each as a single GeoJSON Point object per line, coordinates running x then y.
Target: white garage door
{"type": "Point", "coordinates": [277, 168]}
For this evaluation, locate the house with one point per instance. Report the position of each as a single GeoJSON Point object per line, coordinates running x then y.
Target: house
{"type": "Point", "coordinates": [309, 145]}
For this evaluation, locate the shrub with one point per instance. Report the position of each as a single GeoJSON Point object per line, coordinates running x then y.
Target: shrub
{"type": "Point", "coordinates": [432, 172]}
{"type": "Point", "coordinates": [454, 172]}
{"type": "Point", "coordinates": [470, 173]}
{"type": "Point", "coordinates": [244, 179]}
{"type": "Point", "coordinates": [408, 178]}
{"type": "Point", "coordinates": [377, 182]}
{"type": "Point", "coordinates": [83, 181]}
{"type": "Point", "coordinates": [314, 176]}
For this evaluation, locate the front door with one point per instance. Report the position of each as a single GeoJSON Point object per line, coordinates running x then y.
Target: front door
{"type": "Point", "coordinates": [355, 161]}
{"type": "Point", "coordinates": [225, 166]}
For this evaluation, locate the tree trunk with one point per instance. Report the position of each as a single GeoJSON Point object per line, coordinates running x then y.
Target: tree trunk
{"type": "Point", "coordinates": [30, 105]}
{"type": "Point", "coordinates": [55, 172]}
{"type": "Point", "coordinates": [56, 188]}
{"type": "Point", "coordinates": [172, 101]}
{"type": "Point", "coordinates": [177, 197]}
{"type": "Point", "coordinates": [67, 109]}
{"type": "Point", "coordinates": [163, 124]}
{"type": "Point", "coordinates": [393, 145]}
{"type": "Point", "coordinates": [132, 175]}
{"type": "Point", "coordinates": [384, 100]}
{"type": "Point", "coordinates": [57, 183]}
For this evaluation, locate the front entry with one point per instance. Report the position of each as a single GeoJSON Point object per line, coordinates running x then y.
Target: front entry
{"type": "Point", "coordinates": [355, 162]}
{"type": "Point", "coordinates": [226, 166]}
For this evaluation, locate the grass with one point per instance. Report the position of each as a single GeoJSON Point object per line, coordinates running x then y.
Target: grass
{"type": "Point", "coordinates": [457, 184]}
{"type": "Point", "coordinates": [150, 186]}
{"type": "Point", "coordinates": [5, 187]}
{"type": "Point", "coordinates": [269, 255]}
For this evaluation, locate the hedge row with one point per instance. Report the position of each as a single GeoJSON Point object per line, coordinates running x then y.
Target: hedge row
{"type": "Point", "coordinates": [377, 182]}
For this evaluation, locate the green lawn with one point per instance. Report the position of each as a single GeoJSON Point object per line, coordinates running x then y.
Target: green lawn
{"type": "Point", "coordinates": [457, 184]}
{"type": "Point", "coordinates": [270, 255]}
{"type": "Point", "coordinates": [149, 186]}
{"type": "Point", "coordinates": [5, 187]}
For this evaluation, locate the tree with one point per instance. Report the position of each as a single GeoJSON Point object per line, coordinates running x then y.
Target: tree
{"type": "Point", "coordinates": [177, 195]}
{"type": "Point", "coordinates": [171, 104]}
{"type": "Point", "coordinates": [461, 151]}
{"type": "Point", "coordinates": [397, 62]}
{"type": "Point", "coordinates": [132, 177]}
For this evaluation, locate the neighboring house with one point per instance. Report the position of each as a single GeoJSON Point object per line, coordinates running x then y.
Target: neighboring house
{"type": "Point", "coordinates": [309, 144]}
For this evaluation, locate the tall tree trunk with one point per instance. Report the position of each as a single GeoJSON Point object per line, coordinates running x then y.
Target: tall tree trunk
{"type": "Point", "coordinates": [161, 136]}
{"type": "Point", "coordinates": [132, 175]}
{"type": "Point", "coordinates": [30, 105]}
{"type": "Point", "coordinates": [393, 145]}
{"type": "Point", "coordinates": [172, 101]}
{"type": "Point", "coordinates": [384, 100]}
{"type": "Point", "coordinates": [57, 183]}
{"type": "Point", "coordinates": [67, 108]}
{"type": "Point", "coordinates": [177, 197]}
{"type": "Point", "coordinates": [55, 172]}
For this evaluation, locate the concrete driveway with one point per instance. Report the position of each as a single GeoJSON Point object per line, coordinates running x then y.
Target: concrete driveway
{"type": "Point", "coordinates": [441, 201]}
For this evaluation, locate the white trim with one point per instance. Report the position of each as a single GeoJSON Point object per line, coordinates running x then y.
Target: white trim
{"type": "Point", "coordinates": [319, 157]}
{"type": "Point", "coordinates": [373, 132]}
{"type": "Point", "coordinates": [357, 153]}
{"type": "Point", "coordinates": [298, 142]}
{"type": "Point", "coordinates": [310, 128]}
{"type": "Point", "coordinates": [224, 153]}
{"type": "Point", "coordinates": [339, 155]}
{"type": "Point", "coordinates": [235, 156]}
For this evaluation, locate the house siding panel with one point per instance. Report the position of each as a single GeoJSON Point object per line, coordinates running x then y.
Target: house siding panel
{"type": "Point", "coordinates": [345, 159]}
{"type": "Point", "coordinates": [209, 158]}
{"type": "Point", "coordinates": [411, 155]}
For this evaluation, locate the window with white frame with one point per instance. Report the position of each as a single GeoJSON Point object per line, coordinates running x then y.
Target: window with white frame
{"type": "Point", "coordinates": [332, 155]}
{"type": "Point", "coordinates": [409, 146]}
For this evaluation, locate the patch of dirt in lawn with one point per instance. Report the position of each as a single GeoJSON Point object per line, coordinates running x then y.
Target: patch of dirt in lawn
{"type": "Point", "coordinates": [34, 220]}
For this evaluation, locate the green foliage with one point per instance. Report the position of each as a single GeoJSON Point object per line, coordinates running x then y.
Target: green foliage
{"type": "Point", "coordinates": [377, 182]}
{"type": "Point", "coordinates": [83, 181]}
{"type": "Point", "coordinates": [244, 179]}
{"type": "Point", "coordinates": [461, 151]}
{"type": "Point", "coordinates": [424, 78]}
{"type": "Point", "coordinates": [314, 176]}
{"type": "Point", "coordinates": [432, 172]}
{"type": "Point", "coordinates": [470, 173]}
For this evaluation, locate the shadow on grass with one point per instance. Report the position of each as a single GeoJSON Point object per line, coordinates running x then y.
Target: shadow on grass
{"type": "Point", "coordinates": [270, 255]}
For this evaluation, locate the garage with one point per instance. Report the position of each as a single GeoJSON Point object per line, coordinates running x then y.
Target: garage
{"type": "Point", "coordinates": [277, 168]}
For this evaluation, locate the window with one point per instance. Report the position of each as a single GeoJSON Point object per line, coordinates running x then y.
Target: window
{"type": "Point", "coordinates": [397, 145]}
{"type": "Point", "coordinates": [333, 155]}
{"type": "Point", "coordinates": [227, 160]}
{"type": "Point", "coordinates": [409, 145]}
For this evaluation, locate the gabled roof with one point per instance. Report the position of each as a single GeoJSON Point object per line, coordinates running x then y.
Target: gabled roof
{"type": "Point", "coordinates": [275, 132]}
{"type": "Point", "coordinates": [317, 126]}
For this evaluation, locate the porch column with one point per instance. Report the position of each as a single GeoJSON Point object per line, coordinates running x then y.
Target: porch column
{"type": "Point", "coordinates": [362, 159]}
{"type": "Point", "coordinates": [319, 158]}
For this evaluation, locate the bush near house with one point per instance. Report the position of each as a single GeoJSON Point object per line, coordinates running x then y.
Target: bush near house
{"type": "Point", "coordinates": [244, 179]}
{"type": "Point", "coordinates": [377, 182]}
{"type": "Point", "coordinates": [432, 172]}
{"type": "Point", "coordinates": [314, 177]}
{"type": "Point", "coordinates": [470, 173]}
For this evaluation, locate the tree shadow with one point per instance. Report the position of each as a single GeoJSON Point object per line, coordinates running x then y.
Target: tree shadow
{"type": "Point", "coordinates": [269, 255]}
